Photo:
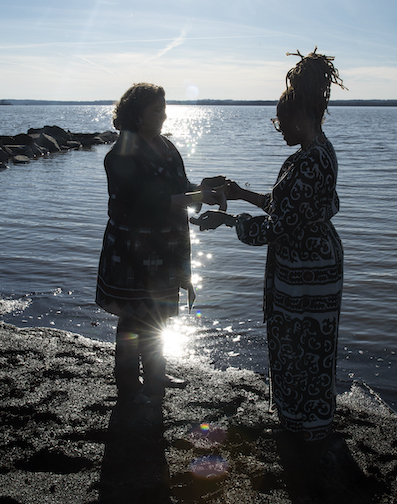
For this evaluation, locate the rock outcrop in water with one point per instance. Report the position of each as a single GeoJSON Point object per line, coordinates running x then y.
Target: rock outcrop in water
{"type": "Point", "coordinates": [35, 143]}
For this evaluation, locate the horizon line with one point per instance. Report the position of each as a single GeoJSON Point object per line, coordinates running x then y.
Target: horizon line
{"type": "Point", "coordinates": [206, 101]}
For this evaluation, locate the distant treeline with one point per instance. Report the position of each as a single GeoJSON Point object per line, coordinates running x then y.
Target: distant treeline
{"type": "Point", "coordinates": [54, 102]}
{"type": "Point", "coordinates": [338, 103]}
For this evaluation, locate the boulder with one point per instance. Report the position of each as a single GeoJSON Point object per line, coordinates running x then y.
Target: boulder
{"type": "Point", "coordinates": [48, 142]}
{"type": "Point", "coordinates": [23, 150]}
{"type": "Point", "coordinates": [41, 141]}
{"type": "Point", "coordinates": [108, 136]}
{"type": "Point", "coordinates": [7, 150]}
{"type": "Point", "coordinates": [7, 140]}
{"type": "Point", "coordinates": [39, 151]}
{"type": "Point", "coordinates": [20, 159]}
{"type": "Point", "coordinates": [88, 139]}
{"type": "Point", "coordinates": [73, 144]}
{"type": "Point", "coordinates": [3, 155]}
{"type": "Point", "coordinates": [57, 132]}
{"type": "Point", "coordinates": [23, 139]}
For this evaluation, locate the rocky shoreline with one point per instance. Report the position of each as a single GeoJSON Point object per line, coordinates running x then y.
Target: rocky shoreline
{"type": "Point", "coordinates": [65, 439]}
{"type": "Point", "coordinates": [21, 148]}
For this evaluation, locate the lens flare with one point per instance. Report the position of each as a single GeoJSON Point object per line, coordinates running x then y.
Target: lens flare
{"type": "Point", "coordinates": [209, 467]}
{"type": "Point", "coordinates": [129, 338]}
{"type": "Point", "coordinates": [192, 92]}
{"type": "Point", "coordinates": [206, 436]}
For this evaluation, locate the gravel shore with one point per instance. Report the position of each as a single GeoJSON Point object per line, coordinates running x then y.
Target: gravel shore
{"type": "Point", "coordinates": [65, 439]}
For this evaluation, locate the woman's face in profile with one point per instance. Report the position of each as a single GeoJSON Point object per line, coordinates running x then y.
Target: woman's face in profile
{"type": "Point", "coordinates": [289, 126]}
{"type": "Point", "coordinates": [152, 118]}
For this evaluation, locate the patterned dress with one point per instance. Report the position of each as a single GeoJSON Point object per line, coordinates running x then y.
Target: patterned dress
{"type": "Point", "coordinates": [303, 286]}
{"type": "Point", "coordinates": [145, 257]}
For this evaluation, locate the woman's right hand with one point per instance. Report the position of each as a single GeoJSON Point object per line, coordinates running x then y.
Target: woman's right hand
{"type": "Point", "coordinates": [233, 191]}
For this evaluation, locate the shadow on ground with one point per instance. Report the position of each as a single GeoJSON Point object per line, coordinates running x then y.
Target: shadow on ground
{"type": "Point", "coordinates": [134, 467]}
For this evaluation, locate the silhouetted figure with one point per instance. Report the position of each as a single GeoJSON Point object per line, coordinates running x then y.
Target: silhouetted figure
{"type": "Point", "coordinates": [145, 258]}
{"type": "Point", "coordinates": [303, 285]}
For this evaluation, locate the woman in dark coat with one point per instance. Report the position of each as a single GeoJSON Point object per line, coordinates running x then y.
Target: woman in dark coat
{"type": "Point", "coordinates": [145, 258]}
{"type": "Point", "coordinates": [303, 284]}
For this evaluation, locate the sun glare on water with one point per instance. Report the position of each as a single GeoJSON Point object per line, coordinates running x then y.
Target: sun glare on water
{"type": "Point", "coordinates": [185, 125]}
{"type": "Point", "coordinates": [176, 339]}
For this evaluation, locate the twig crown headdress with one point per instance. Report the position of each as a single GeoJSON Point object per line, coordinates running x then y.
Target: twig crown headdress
{"type": "Point", "coordinates": [309, 81]}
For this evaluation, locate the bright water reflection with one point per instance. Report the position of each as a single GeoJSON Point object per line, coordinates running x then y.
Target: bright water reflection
{"type": "Point", "coordinates": [177, 338]}
{"type": "Point", "coordinates": [187, 125]}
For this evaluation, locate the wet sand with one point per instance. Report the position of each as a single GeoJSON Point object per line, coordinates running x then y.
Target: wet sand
{"type": "Point", "coordinates": [65, 439]}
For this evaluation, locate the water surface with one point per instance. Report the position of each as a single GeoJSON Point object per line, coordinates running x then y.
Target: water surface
{"type": "Point", "coordinates": [54, 214]}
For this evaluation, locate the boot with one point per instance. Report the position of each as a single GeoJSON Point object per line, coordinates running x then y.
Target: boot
{"type": "Point", "coordinates": [127, 369]}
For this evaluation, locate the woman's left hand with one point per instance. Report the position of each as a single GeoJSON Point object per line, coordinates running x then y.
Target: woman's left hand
{"type": "Point", "coordinates": [217, 182]}
{"type": "Point", "coordinates": [215, 198]}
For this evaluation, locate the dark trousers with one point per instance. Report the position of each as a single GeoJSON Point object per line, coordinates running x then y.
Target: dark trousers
{"type": "Point", "coordinates": [139, 355]}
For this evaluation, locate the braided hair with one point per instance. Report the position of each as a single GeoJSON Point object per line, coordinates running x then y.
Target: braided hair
{"type": "Point", "coordinates": [308, 84]}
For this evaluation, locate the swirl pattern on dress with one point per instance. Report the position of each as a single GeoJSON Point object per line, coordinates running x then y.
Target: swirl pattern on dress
{"type": "Point", "coordinates": [303, 286]}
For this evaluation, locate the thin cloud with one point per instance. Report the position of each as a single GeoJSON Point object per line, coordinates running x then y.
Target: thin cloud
{"type": "Point", "coordinates": [175, 43]}
{"type": "Point", "coordinates": [96, 65]}
{"type": "Point", "coordinates": [23, 64]}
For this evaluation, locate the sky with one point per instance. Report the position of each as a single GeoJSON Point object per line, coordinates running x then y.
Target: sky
{"type": "Point", "coordinates": [195, 49]}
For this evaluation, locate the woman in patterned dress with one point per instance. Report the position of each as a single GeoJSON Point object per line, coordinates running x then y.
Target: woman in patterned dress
{"type": "Point", "coordinates": [145, 257]}
{"type": "Point", "coordinates": [303, 283]}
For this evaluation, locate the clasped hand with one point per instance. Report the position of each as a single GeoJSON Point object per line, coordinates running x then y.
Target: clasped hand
{"type": "Point", "coordinates": [217, 190]}
{"type": "Point", "coordinates": [232, 190]}
{"type": "Point", "coordinates": [224, 188]}
{"type": "Point", "coordinates": [209, 220]}
{"type": "Point", "coordinates": [213, 191]}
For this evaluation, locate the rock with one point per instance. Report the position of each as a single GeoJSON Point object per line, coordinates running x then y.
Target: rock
{"type": "Point", "coordinates": [8, 151]}
{"type": "Point", "coordinates": [3, 155]}
{"type": "Point", "coordinates": [6, 140]}
{"type": "Point", "coordinates": [87, 139]}
{"type": "Point", "coordinates": [73, 144]}
{"type": "Point", "coordinates": [23, 150]}
{"type": "Point", "coordinates": [34, 131]}
{"type": "Point", "coordinates": [39, 151]}
{"type": "Point", "coordinates": [57, 132]}
{"type": "Point", "coordinates": [23, 138]}
{"type": "Point", "coordinates": [20, 159]}
{"type": "Point", "coordinates": [109, 136]}
{"type": "Point", "coordinates": [42, 141]}
{"type": "Point", "coordinates": [48, 142]}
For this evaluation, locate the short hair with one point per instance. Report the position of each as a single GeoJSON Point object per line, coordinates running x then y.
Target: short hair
{"type": "Point", "coordinates": [309, 85]}
{"type": "Point", "coordinates": [129, 108]}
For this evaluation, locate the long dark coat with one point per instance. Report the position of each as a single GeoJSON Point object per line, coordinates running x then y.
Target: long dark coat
{"type": "Point", "coordinates": [145, 257]}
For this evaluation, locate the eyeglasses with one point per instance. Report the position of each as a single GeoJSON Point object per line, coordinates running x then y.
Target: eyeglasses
{"type": "Point", "coordinates": [276, 124]}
